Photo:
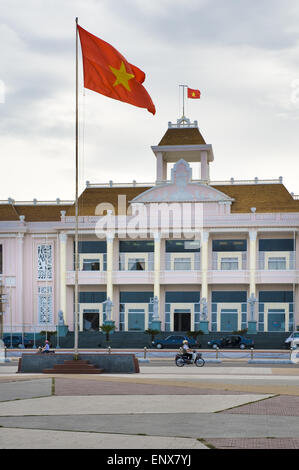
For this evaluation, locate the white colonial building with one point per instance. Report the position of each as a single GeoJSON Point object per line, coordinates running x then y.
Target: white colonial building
{"type": "Point", "coordinates": [217, 255]}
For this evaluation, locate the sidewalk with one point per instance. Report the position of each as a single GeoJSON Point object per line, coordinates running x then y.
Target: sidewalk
{"type": "Point", "coordinates": [163, 407]}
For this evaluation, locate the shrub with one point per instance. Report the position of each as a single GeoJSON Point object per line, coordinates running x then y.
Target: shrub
{"type": "Point", "coordinates": [195, 334]}
{"type": "Point", "coordinates": [240, 332]}
{"type": "Point", "coordinates": [152, 333]}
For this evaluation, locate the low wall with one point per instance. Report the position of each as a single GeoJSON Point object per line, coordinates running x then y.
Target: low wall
{"type": "Point", "coordinates": [110, 363]}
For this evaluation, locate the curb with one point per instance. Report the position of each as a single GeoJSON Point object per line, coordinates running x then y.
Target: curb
{"type": "Point", "coordinates": [270, 361]}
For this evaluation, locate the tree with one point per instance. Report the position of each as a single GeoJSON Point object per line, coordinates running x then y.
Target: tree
{"type": "Point", "coordinates": [107, 329]}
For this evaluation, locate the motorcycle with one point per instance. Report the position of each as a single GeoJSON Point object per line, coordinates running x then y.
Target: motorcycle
{"type": "Point", "coordinates": [181, 359]}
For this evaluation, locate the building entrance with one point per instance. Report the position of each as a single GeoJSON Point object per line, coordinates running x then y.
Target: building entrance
{"type": "Point", "coordinates": [182, 319]}
{"type": "Point", "coordinates": [91, 320]}
{"type": "Point", "coordinates": [276, 320]}
{"type": "Point", "coordinates": [136, 319]}
{"type": "Point", "coordinates": [229, 320]}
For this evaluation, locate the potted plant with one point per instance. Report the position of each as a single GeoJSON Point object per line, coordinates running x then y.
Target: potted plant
{"type": "Point", "coordinates": [107, 330]}
{"type": "Point", "coordinates": [152, 333]}
{"type": "Point", "coordinates": [195, 334]}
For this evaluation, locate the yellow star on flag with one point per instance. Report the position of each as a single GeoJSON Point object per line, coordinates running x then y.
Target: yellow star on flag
{"type": "Point", "coordinates": [122, 76]}
{"type": "Point", "coordinates": [193, 94]}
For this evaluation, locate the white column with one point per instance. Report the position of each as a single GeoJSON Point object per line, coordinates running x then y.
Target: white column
{"type": "Point", "coordinates": [252, 261]}
{"type": "Point", "coordinates": [109, 290]}
{"type": "Point", "coordinates": [204, 165]}
{"type": "Point", "coordinates": [204, 255]}
{"type": "Point", "coordinates": [63, 243]}
{"type": "Point", "coordinates": [157, 270]}
{"type": "Point", "coordinates": [161, 167]}
{"type": "Point", "coordinates": [20, 273]}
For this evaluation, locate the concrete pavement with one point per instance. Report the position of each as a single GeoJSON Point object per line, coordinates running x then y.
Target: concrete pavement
{"type": "Point", "coordinates": [163, 407]}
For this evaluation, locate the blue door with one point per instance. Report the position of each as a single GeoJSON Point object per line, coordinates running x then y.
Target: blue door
{"type": "Point", "coordinates": [276, 320]}
{"type": "Point", "coordinates": [136, 320]}
{"type": "Point", "coordinates": [229, 320]}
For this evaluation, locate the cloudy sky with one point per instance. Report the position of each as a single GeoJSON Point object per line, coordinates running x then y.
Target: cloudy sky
{"type": "Point", "coordinates": [243, 55]}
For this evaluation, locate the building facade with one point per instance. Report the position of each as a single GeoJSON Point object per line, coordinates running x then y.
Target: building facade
{"type": "Point", "coordinates": [216, 253]}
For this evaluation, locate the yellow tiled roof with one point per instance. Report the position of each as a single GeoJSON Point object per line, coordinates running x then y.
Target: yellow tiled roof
{"type": "Point", "coordinates": [183, 136]}
{"type": "Point", "coordinates": [32, 213]}
{"type": "Point", "coordinates": [264, 197]}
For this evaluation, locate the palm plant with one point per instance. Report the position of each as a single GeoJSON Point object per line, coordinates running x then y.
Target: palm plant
{"type": "Point", "coordinates": [152, 333]}
{"type": "Point", "coordinates": [107, 329]}
{"type": "Point", "coordinates": [195, 334]}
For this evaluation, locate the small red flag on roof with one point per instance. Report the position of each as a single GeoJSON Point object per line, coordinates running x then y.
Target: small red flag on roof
{"type": "Point", "coordinates": [194, 94]}
{"type": "Point", "coordinates": [107, 72]}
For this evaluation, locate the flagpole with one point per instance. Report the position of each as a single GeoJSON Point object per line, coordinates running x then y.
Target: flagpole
{"type": "Point", "coordinates": [76, 206]}
{"type": "Point", "coordinates": [184, 86]}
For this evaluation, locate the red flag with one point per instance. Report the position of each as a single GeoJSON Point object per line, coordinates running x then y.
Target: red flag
{"type": "Point", "coordinates": [195, 94]}
{"type": "Point", "coordinates": [107, 72]}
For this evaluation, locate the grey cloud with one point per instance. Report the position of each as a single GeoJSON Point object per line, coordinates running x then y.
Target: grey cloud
{"type": "Point", "coordinates": [266, 23]}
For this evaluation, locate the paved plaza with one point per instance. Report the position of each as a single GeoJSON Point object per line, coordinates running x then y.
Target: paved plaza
{"type": "Point", "coordinates": [223, 406]}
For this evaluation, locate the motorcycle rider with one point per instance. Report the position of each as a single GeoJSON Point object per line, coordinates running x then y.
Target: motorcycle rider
{"type": "Point", "coordinates": [187, 352]}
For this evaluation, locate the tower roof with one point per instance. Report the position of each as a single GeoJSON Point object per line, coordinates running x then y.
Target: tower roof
{"type": "Point", "coordinates": [182, 136]}
{"type": "Point", "coordinates": [184, 132]}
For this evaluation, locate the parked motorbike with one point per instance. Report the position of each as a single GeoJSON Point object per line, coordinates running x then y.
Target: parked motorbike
{"type": "Point", "coordinates": [181, 359]}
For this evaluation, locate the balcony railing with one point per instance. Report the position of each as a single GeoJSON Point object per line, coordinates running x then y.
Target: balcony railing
{"type": "Point", "coordinates": [182, 261]}
{"type": "Point", "coordinates": [136, 261]}
{"type": "Point", "coordinates": [134, 184]}
{"type": "Point", "coordinates": [233, 262]}
{"type": "Point", "coordinates": [92, 262]}
{"type": "Point", "coordinates": [276, 261]}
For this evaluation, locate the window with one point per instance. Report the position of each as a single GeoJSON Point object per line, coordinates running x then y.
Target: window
{"type": "Point", "coordinates": [136, 246]}
{"type": "Point", "coordinates": [92, 247]}
{"type": "Point", "coordinates": [229, 263]}
{"type": "Point", "coordinates": [182, 264]}
{"type": "Point", "coordinates": [91, 265]}
{"type": "Point", "coordinates": [182, 297]}
{"type": "Point", "coordinates": [181, 246]}
{"type": "Point", "coordinates": [92, 297]}
{"type": "Point", "coordinates": [229, 296]}
{"type": "Point", "coordinates": [277, 263]}
{"type": "Point", "coordinates": [136, 264]}
{"type": "Point", "coordinates": [229, 245]}
{"type": "Point", "coordinates": [135, 297]}
{"type": "Point", "coordinates": [276, 296]}
{"type": "Point", "coordinates": [121, 317]}
{"type": "Point", "coordinates": [280, 244]}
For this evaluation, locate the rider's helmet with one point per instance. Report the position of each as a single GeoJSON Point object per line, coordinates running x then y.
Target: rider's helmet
{"type": "Point", "coordinates": [185, 341]}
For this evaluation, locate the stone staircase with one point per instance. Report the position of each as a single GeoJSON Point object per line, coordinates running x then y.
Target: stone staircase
{"type": "Point", "coordinates": [74, 367]}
